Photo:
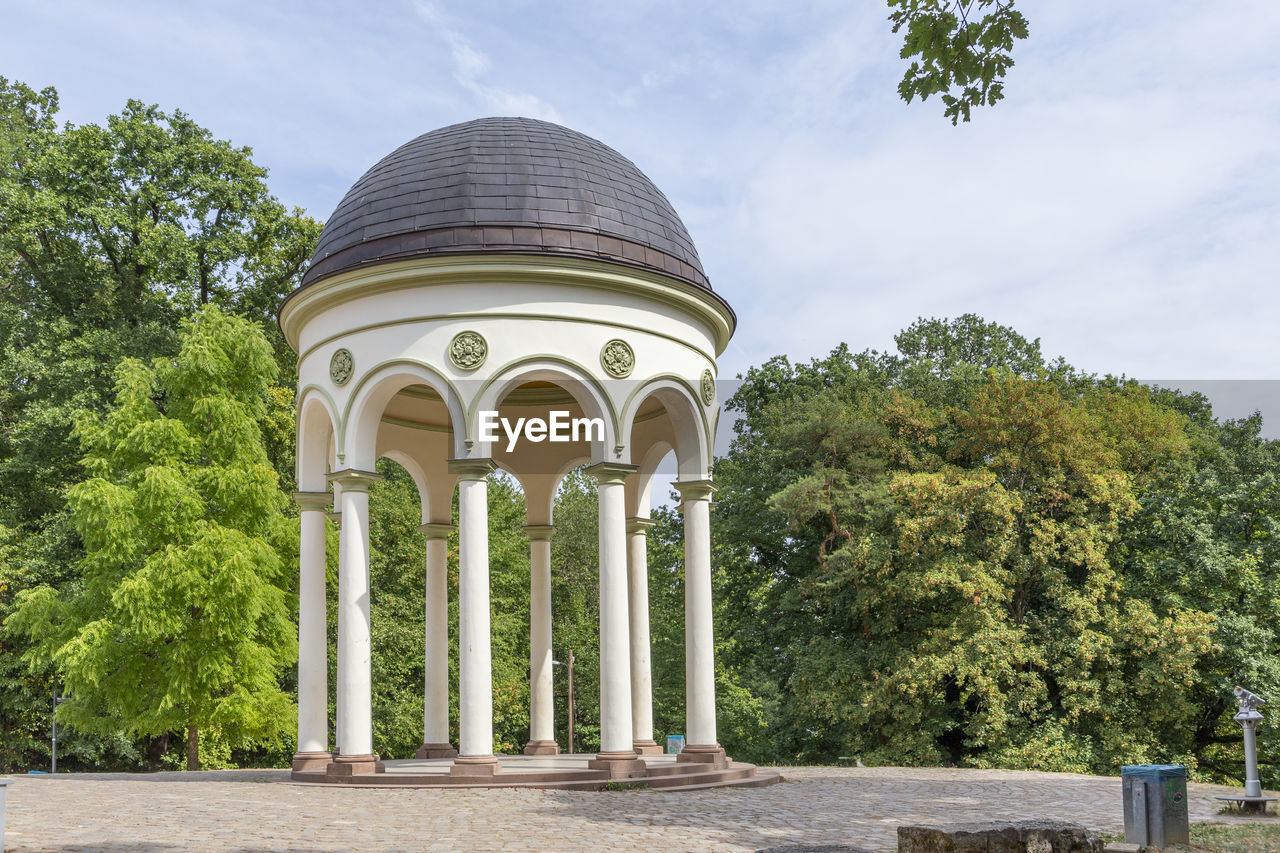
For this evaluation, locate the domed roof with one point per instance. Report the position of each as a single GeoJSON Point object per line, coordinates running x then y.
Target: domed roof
{"type": "Point", "coordinates": [513, 185]}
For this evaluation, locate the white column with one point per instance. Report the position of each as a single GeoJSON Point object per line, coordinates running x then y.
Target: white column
{"type": "Point", "coordinates": [638, 603]}
{"type": "Point", "coordinates": [616, 754]}
{"type": "Point", "coordinates": [355, 737]}
{"type": "Point", "coordinates": [699, 638]}
{"type": "Point", "coordinates": [313, 656]}
{"type": "Point", "coordinates": [542, 735]}
{"type": "Point", "coordinates": [435, 693]}
{"type": "Point", "coordinates": [475, 674]}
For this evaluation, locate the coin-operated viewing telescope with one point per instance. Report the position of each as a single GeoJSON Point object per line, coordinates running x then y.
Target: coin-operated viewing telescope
{"type": "Point", "coordinates": [1248, 717]}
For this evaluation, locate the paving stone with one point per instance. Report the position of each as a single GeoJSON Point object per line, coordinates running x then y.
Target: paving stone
{"type": "Point", "coordinates": [815, 807]}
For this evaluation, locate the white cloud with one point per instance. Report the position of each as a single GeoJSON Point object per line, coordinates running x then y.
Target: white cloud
{"type": "Point", "coordinates": [1122, 203]}
{"type": "Point", "coordinates": [470, 64]}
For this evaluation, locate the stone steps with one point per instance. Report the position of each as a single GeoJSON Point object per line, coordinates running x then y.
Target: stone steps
{"type": "Point", "coordinates": [756, 780]}
{"type": "Point", "coordinates": [690, 776]}
{"type": "Point", "coordinates": [734, 772]}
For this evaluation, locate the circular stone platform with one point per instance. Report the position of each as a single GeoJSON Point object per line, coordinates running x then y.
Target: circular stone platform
{"type": "Point", "coordinates": [564, 772]}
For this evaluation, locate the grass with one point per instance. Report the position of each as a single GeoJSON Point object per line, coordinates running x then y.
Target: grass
{"type": "Point", "coordinates": [1231, 838]}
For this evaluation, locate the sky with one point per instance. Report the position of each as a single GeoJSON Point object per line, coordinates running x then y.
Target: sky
{"type": "Point", "coordinates": [1122, 203]}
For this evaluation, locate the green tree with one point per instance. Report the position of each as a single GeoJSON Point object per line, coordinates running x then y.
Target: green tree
{"type": "Point", "coordinates": [575, 607]}
{"type": "Point", "coordinates": [930, 557]}
{"type": "Point", "coordinates": [397, 579]}
{"type": "Point", "coordinates": [180, 618]}
{"type": "Point", "coordinates": [1207, 538]}
{"type": "Point", "coordinates": [110, 235]}
{"type": "Point", "coordinates": [964, 49]}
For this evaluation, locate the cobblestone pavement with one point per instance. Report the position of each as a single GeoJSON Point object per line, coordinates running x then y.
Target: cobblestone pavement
{"type": "Point", "coordinates": [248, 810]}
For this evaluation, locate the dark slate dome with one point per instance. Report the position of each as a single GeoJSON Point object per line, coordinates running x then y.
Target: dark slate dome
{"type": "Point", "coordinates": [508, 185]}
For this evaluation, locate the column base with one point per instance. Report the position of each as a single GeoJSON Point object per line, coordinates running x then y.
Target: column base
{"type": "Point", "coordinates": [542, 747]}
{"type": "Point", "coordinates": [646, 747]}
{"type": "Point", "coordinates": [436, 750]}
{"type": "Point", "coordinates": [712, 754]}
{"type": "Point", "coordinates": [311, 762]}
{"type": "Point", "coordinates": [475, 765]}
{"type": "Point", "coordinates": [622, 764]}
{"type": "Point", "coordinates": [355, 765]}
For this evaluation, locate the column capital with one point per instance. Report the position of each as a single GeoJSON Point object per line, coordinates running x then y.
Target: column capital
{"type": "Point", "coordinates": [472, 469]}
{"type": "Point", "coordinates": [539, 532]}
{"type": "Point", "coordinates": [312, 500]}
{"type": "Point", "coordinates": [695, 490]}
{"type": "Point", "coordinates": [434, 530]}
{"type": "Point", "coordinates": [639, 525]}
{"type": "Point", "coordinates": [354, 480]}
{"type": "Point", "coordinates": [335, 517]}
{"type": "Point", "coordinates": [610, 472]}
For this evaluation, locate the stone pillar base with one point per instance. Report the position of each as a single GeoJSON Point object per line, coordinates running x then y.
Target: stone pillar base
{"type": "Point", "coordinates": [475, 765]}
{"type": "Point", "coordinates": [712, 754]}
{"type": "Point", "coordinates": [620, 765]}
{"type": "Point", "coordinates": [436, 750]}
{"type": "Point", "coordinates": [311, 762]}
{"type": "Point", "coordinates": [355, 765]}
{"type": "Point", "coordinates": [646, 747]}
{"type": "Point", "coordinates": [542, 747]}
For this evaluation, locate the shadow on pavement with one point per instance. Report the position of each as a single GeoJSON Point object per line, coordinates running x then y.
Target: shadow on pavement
{"type": "Point", "coordinates": [264, 775]}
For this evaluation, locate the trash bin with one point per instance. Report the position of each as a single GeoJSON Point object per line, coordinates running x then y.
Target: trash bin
{"type": "Point", "coordinates": [675, 743]}
{"type": "Point", "coordinates": [1155, 804]}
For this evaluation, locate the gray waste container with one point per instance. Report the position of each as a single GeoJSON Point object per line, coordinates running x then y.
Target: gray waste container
{"type": "Point", "coordinates": [1155, 804]}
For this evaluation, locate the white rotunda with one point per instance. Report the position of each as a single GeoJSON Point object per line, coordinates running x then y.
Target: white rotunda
{"type": "Point", "coordinates": [488, 272]}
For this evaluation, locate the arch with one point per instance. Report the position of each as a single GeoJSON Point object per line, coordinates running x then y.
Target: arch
{"type": "Point", "coordinates": [688, 422]}
{"type": "Point", "coordinates": [640, 485]}
{"type": "Point", "coordinates": [316, 428]}
{"type": "Point", "coordinates": [419, 477]}
{"type": "Point", "coordinates": [368, 400]}
{"type": "Point", "coordinates": [581, 384]}
{"type": "Point", "coordinates": [540, 490]}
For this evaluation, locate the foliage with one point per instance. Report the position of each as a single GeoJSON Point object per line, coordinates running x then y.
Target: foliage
{"type": "Point", "coordinates": [959, 553]}
{"type": "Point", "coordinates": [962, 58]}
{"type": "Point", "coordinates": [110, 235]}
{"type": "Point", "coordinates": [575, 608]}
{"type": "Point", "coordinates": [956, 552]}
{"type": "Point", "coordinates": [397, 579]}
{"type": "Point", "coordinates": [180, 616]}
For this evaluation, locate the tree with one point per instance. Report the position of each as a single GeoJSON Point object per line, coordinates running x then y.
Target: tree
{"type": "Point", "coordinates": [575, 605]}
{"type": "Point", "coordinates": [962, 58]}
{"type": "Point", "coordinates": [180, 618]}
{"type": "Point", "coordinates": [959, 553]}
{"type": "Point", "coordinates": [110, 235]}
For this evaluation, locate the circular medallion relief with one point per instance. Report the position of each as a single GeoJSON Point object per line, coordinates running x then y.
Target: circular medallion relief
{"type": "Point", "coordinates": [468, 350]}
{"type": "Point", "coordinates": [708, 388]}
{"type": "Point", "coordinates": [341, 366]}
{"type": "Point", "coordinates": [617, 358]}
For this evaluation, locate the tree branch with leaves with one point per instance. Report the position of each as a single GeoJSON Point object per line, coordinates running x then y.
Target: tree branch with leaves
{"type": "Point", "coordinates": [963, 49]}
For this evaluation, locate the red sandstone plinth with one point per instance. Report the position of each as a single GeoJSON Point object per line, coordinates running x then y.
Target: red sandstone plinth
{"type": "Point", "coordinates": [646, 747]}
{"type": "Point", "coordinates": [623, 764]}
{"type": "Point", "coordinates": [710, 754]}
{"type": "Point", "coordinates": [475, 765]}
{"type": "Point", "coordinates": [436, 750]}
{"type": "Point", "coordinates": [354, 765]}
{"type": "Point", "coordinates": [311, 762]}
{"type": "Point", "coordinates": [542, 747]}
